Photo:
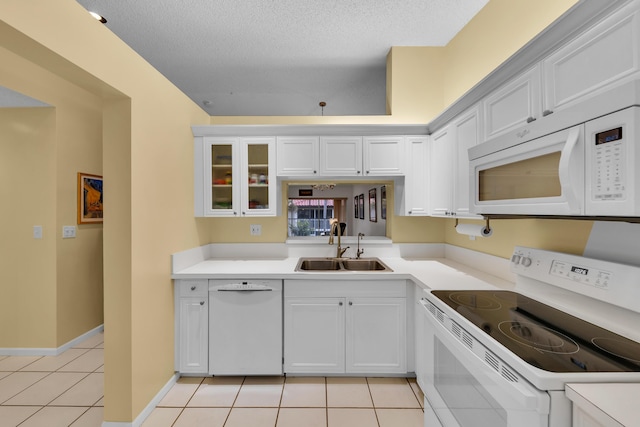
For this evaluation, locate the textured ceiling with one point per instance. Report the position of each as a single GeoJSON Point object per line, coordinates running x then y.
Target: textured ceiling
{"type": "Point", "coordinates": [281, 57]}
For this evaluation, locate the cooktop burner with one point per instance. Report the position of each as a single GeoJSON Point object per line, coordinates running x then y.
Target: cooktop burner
{"type": "Point", "coordinates": [543, 336]}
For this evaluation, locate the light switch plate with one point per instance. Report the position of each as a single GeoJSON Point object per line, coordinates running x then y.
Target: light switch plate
{"type": "Point", "coordinates": [256, 229]}
{"type": "Point", "coordinates": [68, 231]}
{"type": "Point", "coordinates": [37, 232]}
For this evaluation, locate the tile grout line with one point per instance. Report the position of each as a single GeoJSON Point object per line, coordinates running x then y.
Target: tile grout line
{"type": "Point", "coordinates": [373, 403]}
{"type": "Point", "coordinates": [326, 400]}
{"type": "Point", "coordinates": [187, 402]}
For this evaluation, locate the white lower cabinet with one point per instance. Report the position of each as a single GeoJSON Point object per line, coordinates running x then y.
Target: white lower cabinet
{"type": "Point", "coordinates": [336, 327]}
{"type": "Point", "coordinates": [375, 335]}
{"type": "Point", "coordinates": [314, 335]}
{"type": "Point", "coordinates": [192, 327]}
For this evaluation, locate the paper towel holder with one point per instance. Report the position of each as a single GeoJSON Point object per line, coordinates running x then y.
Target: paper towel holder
{"type": "Point", "coordinates": [487, 222]}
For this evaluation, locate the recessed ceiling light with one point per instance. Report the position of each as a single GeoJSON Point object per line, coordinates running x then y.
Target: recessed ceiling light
{"type": "Point", "coordinates": [98, 17]}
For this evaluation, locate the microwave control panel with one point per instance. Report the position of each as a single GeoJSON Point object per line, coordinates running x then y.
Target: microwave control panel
{"type": "Point", "coordinates": [611, 179]}
{"type": "Point", "coordinates": [608, 164]}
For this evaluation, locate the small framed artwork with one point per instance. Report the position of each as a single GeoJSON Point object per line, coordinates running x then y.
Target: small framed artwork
{"type": "Point", "coordinates": [356, 215]}
{"type": "Point", "coordinates": [90, 198]}
{"type": "Point", "coordinates": [372, 205]}
{"type": "Point", "coordinates": [383, 202]}
{"type": "Point", "coordinates": [361, 206]}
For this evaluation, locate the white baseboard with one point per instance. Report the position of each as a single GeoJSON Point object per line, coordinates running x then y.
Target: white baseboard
{"type": "Point", "coordinates": [148, 409]}
{"type": "Point", "coordinates": [50, 351]}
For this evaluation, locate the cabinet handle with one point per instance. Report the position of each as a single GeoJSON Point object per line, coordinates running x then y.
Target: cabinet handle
{"type": "Point", "coordinates": [367, 172]}
{"type": "Point", "coordinates": [201, 302]}
{"type": "Point", "coordinates": [350, 302]}
{"type": "Point", "coordinates": [193, 288]}
{"type": "Point", "coordinates": [235, 213]}
{"type": "Point", "coordinates": [531, 119]}
{"type": "Point", "coordinates": [358, 172]}
{"type": "Point", "coordinates": [340, 303]}
{"type": "Point", "coordinates": [409, 212]}
{"type": "Point", "coordinates": [545, 113]}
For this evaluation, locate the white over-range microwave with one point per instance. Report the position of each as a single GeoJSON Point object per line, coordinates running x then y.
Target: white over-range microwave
{"type": "Point", "coordinates": [588, 169]}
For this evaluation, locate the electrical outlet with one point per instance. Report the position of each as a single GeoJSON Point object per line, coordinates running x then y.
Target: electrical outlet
{"type": "Point", "coordinates": [256, 229]}
{"type": "Point", "coordinates": [37, 232]}
{"type": "Point", "coordinates": [68, 232]}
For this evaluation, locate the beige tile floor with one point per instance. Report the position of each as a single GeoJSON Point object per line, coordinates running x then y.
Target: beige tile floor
{"type": "Point", "coordinates": [290, 402]}
{"type": "Point", "coordinates": [67, 390]}
{"type": "Point", "coordinates": [52, 391]}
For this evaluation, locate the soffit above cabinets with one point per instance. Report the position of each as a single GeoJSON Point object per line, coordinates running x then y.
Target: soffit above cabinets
{"type": "Point", "coordinates": [309, 130]}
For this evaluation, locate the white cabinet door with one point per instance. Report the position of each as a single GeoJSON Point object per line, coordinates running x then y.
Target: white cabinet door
{"type": "Point", "coordinates": [220, 170]}
{"type": "Point", "coordinates": [258, 176]}
{"type": "Point", "coordinates": [298, 155]}
{"type": "Point", "coordinates": [441, 189]}
{"type": "Point", "coordinates": [513, 105]}
{"type": "Point", "coordinates": [376, 335]}
{"type": "Point", "coordinates": [193, 331]}
{"type": "Point", "coordinates": [383, 155]}
{"type": "Point", "coordinates": [605, 56]}
{"type": "Point", "coordinates": [341, 155]}
{"type": "Point", "coordinates": [466, 132]}
{"type": "Point", "coordinates": [314, 335]}
{"type": "Point", "coordinates": [416, 191]}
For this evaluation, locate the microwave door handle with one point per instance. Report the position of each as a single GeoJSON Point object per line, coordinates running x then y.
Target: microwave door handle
{"type": "Point", "coordinates": [565, 170]}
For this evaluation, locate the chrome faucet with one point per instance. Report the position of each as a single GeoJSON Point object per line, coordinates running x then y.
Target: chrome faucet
{"type": "Point", "coordinates": [335, 226]}
{"type": "Point", "coordinates": [359, 251]}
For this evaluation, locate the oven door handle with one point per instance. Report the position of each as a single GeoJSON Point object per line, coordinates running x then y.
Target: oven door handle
{"type": "Point", "coordinates": [518, 394]}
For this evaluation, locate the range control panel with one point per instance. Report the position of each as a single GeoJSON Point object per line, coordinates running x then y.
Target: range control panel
{"type": "Point", "coordinates": [584, 275]}
{"type": "Point", "coordinates": [606, 281]}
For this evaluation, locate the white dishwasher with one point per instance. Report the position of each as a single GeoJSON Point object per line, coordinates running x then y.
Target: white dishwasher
{"type": "Point", "coordinates": [245, 327]}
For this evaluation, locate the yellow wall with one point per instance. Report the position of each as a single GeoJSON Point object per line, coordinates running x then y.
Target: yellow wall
{"type": "Point", "coordinates": [65, 284]}
{"type": "Point", "coordinates": [147, 163]}
{"type": "Point", "coordinates": [27, 266]}
{"type": "Point", "coordinates": [568, 236]}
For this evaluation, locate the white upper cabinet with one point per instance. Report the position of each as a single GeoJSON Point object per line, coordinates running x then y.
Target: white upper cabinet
{"type": "Point", "coordinates": [417, 177]}
{"type": "Point", "coordinates": [298, 155]}
{"type": "Point", "coordinates": [383, 155]}
{"type": "Point", "coordinates": [466, 131]}
{"type": "Point", "coordinates": [449, 180]}
{"type": "Point", "coordinates": [341, 155]}
{"type": "Point", "coordinates": [604, 56]}
{"type": "Point", "coordinates": [235, 176]}
{"type": "Point", "coordinates": [513, 105]}
{"type": "Point", "coordinates": [441, 189]}
{"type": "Point", "coordinates": [345, 156]}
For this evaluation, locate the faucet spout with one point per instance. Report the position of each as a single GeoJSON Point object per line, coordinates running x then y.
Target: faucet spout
{"type": "Point", "coordinates": [335, 227]}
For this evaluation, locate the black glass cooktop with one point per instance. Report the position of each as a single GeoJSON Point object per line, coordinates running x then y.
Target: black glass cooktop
{"type": "Point", "coordinates": [543, 336]}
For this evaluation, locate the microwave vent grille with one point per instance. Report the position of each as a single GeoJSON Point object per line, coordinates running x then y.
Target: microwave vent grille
{"type": "Point", "coordinates": [440, 316]}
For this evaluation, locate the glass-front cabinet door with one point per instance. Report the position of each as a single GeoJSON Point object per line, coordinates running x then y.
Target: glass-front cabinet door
{"type": "Point", "coordinates": [224, 173]}
{"type": "Point", "coordinates": [258, 176]}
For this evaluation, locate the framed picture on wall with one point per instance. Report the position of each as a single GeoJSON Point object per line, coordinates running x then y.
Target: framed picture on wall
{"type": "Point", "coordinates": [361, 206]}
{"type": "Point", "coordinates": [372, 205]}
{"type": "Point", "coordinates": [356, 215]}
{"type": "Point", "coordinates": [90, 198]}
{"type": "Point", "coordinates": [383, 202]}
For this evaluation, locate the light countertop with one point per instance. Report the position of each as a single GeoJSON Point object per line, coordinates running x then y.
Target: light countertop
{"type": "Point", "coordinates": [612, 405]}
{"type": "Point", "coordinates": [437, 273]}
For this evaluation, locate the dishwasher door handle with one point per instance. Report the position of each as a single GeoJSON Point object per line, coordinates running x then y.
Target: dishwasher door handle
{"type": "Point", "coordinates": [243, 290]}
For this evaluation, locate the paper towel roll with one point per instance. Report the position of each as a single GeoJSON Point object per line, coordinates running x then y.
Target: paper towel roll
{"type": "Point", "coordinates": [474, 230]}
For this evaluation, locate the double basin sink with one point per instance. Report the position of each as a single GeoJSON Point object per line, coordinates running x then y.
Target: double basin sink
{"type": "Point", "coordinates": [341, 264]}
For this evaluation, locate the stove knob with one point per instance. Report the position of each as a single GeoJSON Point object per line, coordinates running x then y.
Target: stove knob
{"type": "Point", "coordinates": [515, 259]}
{"type": "Point", "coordinates": [525, 261]}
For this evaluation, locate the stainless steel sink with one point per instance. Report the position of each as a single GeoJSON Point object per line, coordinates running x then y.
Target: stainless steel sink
{"type": "Point", "coordinates": [341, 264]}
{"type": "Point", "coordinates": [368, 264]}
{"type": "Point", "coordinates": [322, 264]}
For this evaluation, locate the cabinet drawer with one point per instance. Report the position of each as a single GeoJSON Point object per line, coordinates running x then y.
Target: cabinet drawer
{"type": "Point", "coordinates": [188, 288]}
